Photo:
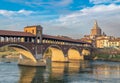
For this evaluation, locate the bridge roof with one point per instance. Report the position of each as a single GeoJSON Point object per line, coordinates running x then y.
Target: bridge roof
{"type": "Point", "coordinates": [26, 34]}
{"type": "Point", "coordinates": [15, 33]}
{"type": "Point", "coordinates": [63, 39]}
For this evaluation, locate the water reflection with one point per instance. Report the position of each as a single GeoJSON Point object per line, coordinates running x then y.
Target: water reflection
{"type": "Point", "coordinates": [56, 72]}
{"type": "Point", "coordinates": [106, 71]}
{"type": "Point", "coordinates": [73, 72]}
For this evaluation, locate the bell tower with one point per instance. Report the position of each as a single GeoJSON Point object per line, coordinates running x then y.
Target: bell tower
{"type": "Point", "coordinates": [96, 31]}
{"type": "Point", "coordinates": [38, 34]}
{"type": "Point", "coordinates": [36, 30]}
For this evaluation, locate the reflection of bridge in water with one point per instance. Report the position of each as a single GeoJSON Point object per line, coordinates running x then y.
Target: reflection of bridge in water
{"type": "Point", "coordinates": [36, 46]}
{"type": "Point", "coordinates": [52, 74]}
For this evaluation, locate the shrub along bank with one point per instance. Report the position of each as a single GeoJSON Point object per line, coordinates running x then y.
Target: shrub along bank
{"type": "Point", "coordinates": [109, 54]}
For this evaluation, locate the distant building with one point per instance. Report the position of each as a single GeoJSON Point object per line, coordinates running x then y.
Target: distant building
{"type": "Point", "coordinates": [99, 39]}
{"type": "Point", "coordinates": [102, 42]}
{"type": "Point", "coordinates": [96, 31]}
{"type": "Point", "coordinates": [114, 42]}
{"type": "Point", "coordinates": [107, 42]}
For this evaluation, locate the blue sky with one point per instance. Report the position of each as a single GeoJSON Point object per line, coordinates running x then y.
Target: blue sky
{"type": "Point", "coordinates": [72, 18]}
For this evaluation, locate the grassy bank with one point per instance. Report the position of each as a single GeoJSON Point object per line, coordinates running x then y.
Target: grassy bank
{"type": "Point", "coordinates": [8, 53]}
{"type": "Point", "coordinates": [106, 54]}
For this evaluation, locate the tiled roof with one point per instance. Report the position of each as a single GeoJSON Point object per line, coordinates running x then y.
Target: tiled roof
{"type": "Point", "coordinates": [115, 40]}
{"type": "Point", "coordinates": [26, 34]}
{"type": "Point", "coordinates": [63, 38]}
{"type": "Point", "coordinates": [33, 26]}
{"type": "Point", "coordinates": [15, 33]}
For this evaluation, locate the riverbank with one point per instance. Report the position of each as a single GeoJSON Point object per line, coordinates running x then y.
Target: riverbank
{"type": "Point", "coordinates": [113, 58]}
{"type": "Point", "coordinates": [106, 54]}
{"type": "Point", "coordinates": [9, 54]}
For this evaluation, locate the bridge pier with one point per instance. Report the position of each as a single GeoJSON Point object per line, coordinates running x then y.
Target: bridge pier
{"type": "Point", "coordinates": [26, 62]}
{"type": "Point", "coordinates": [37, 58]}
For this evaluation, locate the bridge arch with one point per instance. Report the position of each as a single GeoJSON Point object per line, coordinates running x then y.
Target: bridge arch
{"type": "Point", "coordinates": [74, 53]}
{"type": "Point", "coordinates": [55, 53]}
{"type": "Point", "coordinates": [24, 51]}
{"type": "Point", "coordinates": [86, 52]}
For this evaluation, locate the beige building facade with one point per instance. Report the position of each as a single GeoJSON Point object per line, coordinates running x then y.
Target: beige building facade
{"type": "Point", "coordinates": [107, 42]}
{"type": "Point", "coordinates": [99, 39]}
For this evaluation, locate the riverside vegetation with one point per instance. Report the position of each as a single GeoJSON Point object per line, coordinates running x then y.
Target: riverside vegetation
{"type": "Point", "coordinates": [7, 52]}
{"type": "Point", "coordinates": [110, 54]}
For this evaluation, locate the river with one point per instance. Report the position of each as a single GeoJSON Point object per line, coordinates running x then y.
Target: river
{"type": "Point", "coordinates": [74, 72]}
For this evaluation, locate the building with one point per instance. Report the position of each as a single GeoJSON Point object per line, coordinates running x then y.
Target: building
{"type": "Point", "coordinates": [99, 39]}
{"type": "Point", "coordinates": [94, 34]}
{"type": "Point", "coordinates": [107, 42]}
{"type": "Point", "coordinates": [114, 43]}
{"type": "Point", "coordinates": [96, 31]}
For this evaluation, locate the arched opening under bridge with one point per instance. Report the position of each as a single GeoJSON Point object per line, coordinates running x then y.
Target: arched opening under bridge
{"type": "Point", "coordinates": [24, 53]}
{"type": "Point", "coordinates": [55, 53]}
{"type": "Point", "coordinates": [85, 52]}
{"type": "Point", "coordinates": [74, 54]}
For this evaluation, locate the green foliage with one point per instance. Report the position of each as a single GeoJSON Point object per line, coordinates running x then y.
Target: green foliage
{"type": "Point", "coordinates": [103, 56]}
{"type": "Point", "coordinates": [107, 54]}
{"type": "Point", "coordinates": [6, 48]}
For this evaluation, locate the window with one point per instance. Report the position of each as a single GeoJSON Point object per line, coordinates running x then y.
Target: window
{"type": "Point", "coordinates": [32, 31]}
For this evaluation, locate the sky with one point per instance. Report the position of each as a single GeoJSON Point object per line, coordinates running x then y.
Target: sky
{"type": "Point", "coordinates": [73, 18]}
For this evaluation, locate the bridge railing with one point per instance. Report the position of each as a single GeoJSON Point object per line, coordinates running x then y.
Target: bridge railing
{"type": "Point", "coordinates": [48, 41]}
{"type": "Point", "coordinates": [16, 39]}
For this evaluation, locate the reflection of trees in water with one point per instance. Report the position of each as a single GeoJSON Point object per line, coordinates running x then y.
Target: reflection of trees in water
{"type": "Point", "coordinates": [6, 48]}
{"type": "Point", "coordinates": [33, 75]}
{"type": "Point", "coordinates": [106, 71]}
{"type": "Point", "coordinates": [27, 74]}
{"type": "Point", "coordinates": [55, 73]}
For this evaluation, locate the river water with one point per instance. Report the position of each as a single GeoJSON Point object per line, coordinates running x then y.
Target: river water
{"type": "Point", "coordinates": [74, 72]}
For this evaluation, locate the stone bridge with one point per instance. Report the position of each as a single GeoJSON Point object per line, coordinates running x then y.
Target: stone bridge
{"type": "Point", "coordinates": [37, 47]}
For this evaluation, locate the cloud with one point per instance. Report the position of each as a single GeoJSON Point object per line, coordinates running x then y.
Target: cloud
{"type": "Point", "coordinates": [75, 25]}
{"type": "Point", "coordinates": [81, 22]}
{"type": "Point", "coordinates": [54, 6]}
{"type": "Point", "coordinates": [6, 12]}
{"type": "Point", "coordinates": [103, 1]}
{"type": "Point", "coordinates": [65, 2]}
{"type": "Point", "coordinates": [43, 2]}
{"type": "Point", "coordinates": [25, 12]}
{"type": "Point", "coordinates": [95, 10]}
{"type": "Point", "coordinates": [9, 13]}
{"type": "Point", "coordinates": [100, 8]}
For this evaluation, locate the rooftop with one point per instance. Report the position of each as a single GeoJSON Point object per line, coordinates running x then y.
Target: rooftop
{"type": "Point", "coordinates": [33, 26]}
{"type": "Point", "coordinates": [15, 33]}
{"type": "Point", "coordinates": [63, 38]}
{"type": "Point", "coordinates": [27, 34]}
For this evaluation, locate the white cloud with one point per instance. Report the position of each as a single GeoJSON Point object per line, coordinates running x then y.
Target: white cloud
{"type": "Point", "coordinates": [75, 25]}
{"type": "Point", "coordinates": [25, 12]}
{"type": "Point", "coordinates": [81, 21]}
{"type": "Point", "coordinates": [103, 1]}
{"type": "Point", "coordinates": [9, 13]}
{"type": "Point", "coordinates": [64, 2]}
{"type": "Point", "coordinates": [42, 2]}
{"type": "Point", "coordinates": [6, 12]}
{"type": "Point", "coordinates": [101, 9]}
{"type": "Point", "coordinates": [56, 6]}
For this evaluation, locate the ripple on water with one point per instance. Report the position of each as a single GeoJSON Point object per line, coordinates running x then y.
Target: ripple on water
{"type": "Point", "coordinates": [90, 72]}
{"type": "Point", "coordinates": [9, 72]}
